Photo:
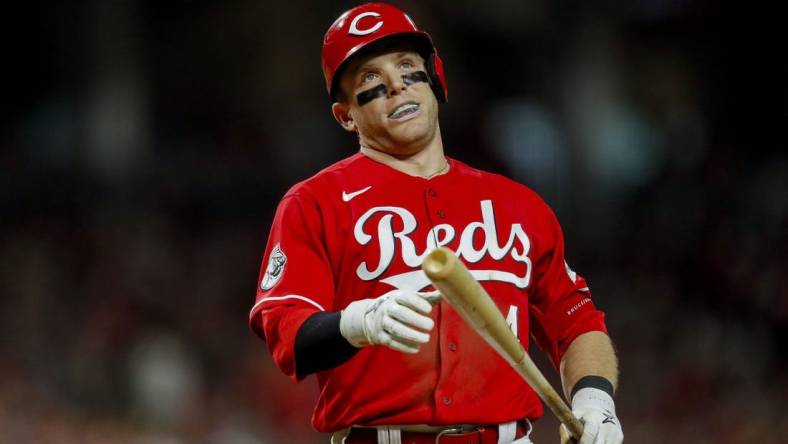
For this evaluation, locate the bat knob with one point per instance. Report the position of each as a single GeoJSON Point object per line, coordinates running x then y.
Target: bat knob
{"type": "Point", "coordinates": [438, 263]}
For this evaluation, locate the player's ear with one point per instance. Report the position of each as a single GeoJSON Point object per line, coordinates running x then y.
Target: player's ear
{"type": "Point", "coordinates": [342, 115]}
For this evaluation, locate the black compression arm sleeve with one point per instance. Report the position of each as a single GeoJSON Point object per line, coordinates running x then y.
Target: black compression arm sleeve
{"type": "Point", "coordinates": [319, 345]}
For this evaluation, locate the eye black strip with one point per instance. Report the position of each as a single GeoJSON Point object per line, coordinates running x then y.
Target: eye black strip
{"type": "Point", "coordinates": [371, 94]}
{"type": "Point", "coordinates": [408, 79]}
{"type": "Point", "coordinates": [415, 77]}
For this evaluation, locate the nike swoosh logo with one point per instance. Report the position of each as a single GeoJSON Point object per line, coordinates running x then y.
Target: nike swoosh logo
{"type": "Point", "coordinates": [348, 196]}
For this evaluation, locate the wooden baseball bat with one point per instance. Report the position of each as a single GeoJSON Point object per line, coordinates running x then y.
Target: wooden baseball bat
{"type": "Point", "coordinates": [474, 305]}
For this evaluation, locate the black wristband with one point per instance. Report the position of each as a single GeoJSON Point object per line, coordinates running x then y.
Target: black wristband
{"type": "Point", "coordinates": [593, 381]}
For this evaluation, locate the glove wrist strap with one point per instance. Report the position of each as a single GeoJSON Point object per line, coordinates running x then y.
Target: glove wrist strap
{"type": "Point", "coordinates": [593, 381]}
{"type": "Point", "coordinates": [352, 323]}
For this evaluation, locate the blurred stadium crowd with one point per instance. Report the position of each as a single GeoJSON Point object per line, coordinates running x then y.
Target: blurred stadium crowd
{"type": "Point", "coordinates": [144, 146]}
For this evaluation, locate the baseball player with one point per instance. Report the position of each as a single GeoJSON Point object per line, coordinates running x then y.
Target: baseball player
{"type": "Point", "coordinates": [340, 293]}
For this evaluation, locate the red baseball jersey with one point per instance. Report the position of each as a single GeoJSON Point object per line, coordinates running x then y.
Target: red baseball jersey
{"type": "Point", "coordinates": [359, 229]}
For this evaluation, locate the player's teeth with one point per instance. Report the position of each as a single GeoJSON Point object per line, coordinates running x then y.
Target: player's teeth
{"type": "Point", "coordinates": [403, 110]}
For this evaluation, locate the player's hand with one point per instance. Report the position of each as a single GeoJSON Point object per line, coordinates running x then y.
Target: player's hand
{"type": "Point", "coordinates": [398, 320]}
{"type": "Point", "coordinates": [597, 411]}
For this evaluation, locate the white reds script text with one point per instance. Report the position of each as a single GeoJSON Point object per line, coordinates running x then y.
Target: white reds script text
{"type": "Point", "coordinates": [517, 246]}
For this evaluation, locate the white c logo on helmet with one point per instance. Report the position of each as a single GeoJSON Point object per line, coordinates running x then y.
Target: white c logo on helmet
{"type": "Point", "coordinates": [354, 24]}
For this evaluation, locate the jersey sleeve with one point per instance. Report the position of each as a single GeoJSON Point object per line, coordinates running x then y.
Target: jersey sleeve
{"type": "Point", "coordinates": [560, 308]}
{"type": "Point", "coordinates": [295, 280]}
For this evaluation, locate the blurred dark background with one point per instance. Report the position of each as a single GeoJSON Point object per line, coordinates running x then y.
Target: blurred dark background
{"type": "Point", "coordinates": [144, 146]}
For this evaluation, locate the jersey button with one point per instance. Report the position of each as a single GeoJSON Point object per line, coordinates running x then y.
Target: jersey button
{"type": "Point", "coordinates": [446, 400]}
{"type": "Point", "coordinates": [441, 214]}
{"type": "Point", "coordinates": [432, 192]}
{"type": "Point", "coordinates": [452, 346]}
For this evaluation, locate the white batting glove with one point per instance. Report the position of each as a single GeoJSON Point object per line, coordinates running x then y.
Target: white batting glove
{"type": "Point", "coordinates": [398, 320]}
{"type": "Point", "coordinates": [597, 411]}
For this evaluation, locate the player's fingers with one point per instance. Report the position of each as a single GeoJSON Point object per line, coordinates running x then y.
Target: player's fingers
{"type": "Point", "coordinates": [410, 317]}
{"type": "Point", "coordinates": [609, 434]}
{"type": "Point", "coordinates": [413, 300]}
{"type": "Point", "coordinates": [617, 436]}
{"type": "Point", "coordinates": [404, 348]}
{"type": "Point", "coordinates": [433, 297]}
{"type": "Point", "coordinates": [566, 437]}
{"type": "Point", "coordinates": [402, 331]}
{"type": "Point", "coordinates": [391, 342]}
{"type": "Point", "coordinates": [406, 344]}
{"type": "Point", "coordinates": [590, 432]}
{"type": "Point", "coordinates": [601, 436]}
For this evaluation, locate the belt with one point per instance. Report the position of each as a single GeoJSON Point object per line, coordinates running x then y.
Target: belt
{"type": "Point", "coordinates": [486, 434]}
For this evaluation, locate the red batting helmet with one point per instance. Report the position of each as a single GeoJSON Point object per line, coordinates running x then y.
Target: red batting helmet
{"type": "Point", "coordinates": [369, 23]}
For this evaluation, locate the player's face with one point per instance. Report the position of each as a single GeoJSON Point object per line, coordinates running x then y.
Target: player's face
{"type": "Point", "coordinates": [388, 102]}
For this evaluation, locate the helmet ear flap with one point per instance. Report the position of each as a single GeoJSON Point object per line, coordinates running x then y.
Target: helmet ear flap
{"type": "Point", "coordinates": [434, 66]}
